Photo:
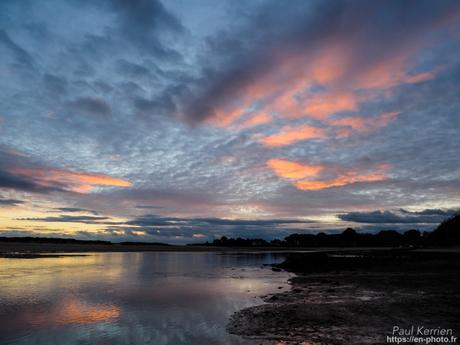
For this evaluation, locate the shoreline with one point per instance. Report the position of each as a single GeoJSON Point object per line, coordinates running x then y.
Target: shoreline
{"type": "Point", "coordinates": [357, 305]}
{"type": "Point", "coordinates": [10, 249]}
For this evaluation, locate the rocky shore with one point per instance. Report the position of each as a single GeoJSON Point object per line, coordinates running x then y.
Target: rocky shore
{"type": "Point", "coordinates": [356, 298]}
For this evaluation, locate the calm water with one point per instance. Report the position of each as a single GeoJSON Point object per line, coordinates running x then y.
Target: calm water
{"type": "Point", "coordinates": [131, 298]}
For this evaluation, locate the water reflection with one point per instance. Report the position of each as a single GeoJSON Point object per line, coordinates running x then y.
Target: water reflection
{"type": "Point", "coordinates": [130, 298]}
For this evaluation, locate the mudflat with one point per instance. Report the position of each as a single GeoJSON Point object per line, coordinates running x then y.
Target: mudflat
{"type": "Point", "coordinates": [358, 297]}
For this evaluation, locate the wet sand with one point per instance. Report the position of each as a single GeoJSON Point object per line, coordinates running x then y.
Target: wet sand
{"type": "Point", "coordinates": [357, 299]}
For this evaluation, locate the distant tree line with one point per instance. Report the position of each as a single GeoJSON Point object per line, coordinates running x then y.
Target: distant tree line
{"type": "Point", "coordinates": [56, 240]}
{"type": "Point", "coordinates": [447, 233]}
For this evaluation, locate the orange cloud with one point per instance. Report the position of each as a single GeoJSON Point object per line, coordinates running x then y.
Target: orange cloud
{"type": "Point", "coordinates": [323, 105]}
{"type": "Point", "coordinates": [224, 118]}
{"type": "Point", "coordinates": [293, 170]}
{"type": "Point", "coordinates": [286, 89]}
{"type": "Point", "coordinates": [256, 120]}
{"type": "Point", "coordinates": [383, 119]}
{"type": "Point", "coordinates": [289, 135]}
{"type": "Point", "coordinates": [391, 72]}
{"type": "Point", "coordinates": [311, 177]}
{"type": "Point", "coordinates": [339, 181]}
{"type": "Point", "coordinates": [67, 180]}
{"type": "Point", "coordinates": [363, 124]}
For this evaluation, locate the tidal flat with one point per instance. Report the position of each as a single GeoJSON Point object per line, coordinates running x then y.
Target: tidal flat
{"type": "Point", "coordinates": [356, 297]}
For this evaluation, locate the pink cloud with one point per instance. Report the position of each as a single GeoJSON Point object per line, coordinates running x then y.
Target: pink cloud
{"type": "Point", "coordinates": [68, 180]}
{"type": "Point", "coordinates": [317, 177]}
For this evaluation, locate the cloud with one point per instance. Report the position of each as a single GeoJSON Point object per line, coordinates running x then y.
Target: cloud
{"type": "Point", "coordinates": [19, 172]}
{"type": "Point", "coordinates": [402, 216]}
{"type": "Point", "coordinates": [322, 59]}
{"type": "Point", "coordinates": [132, 69]}
{"type": "Point", "coordinates": [366, 125]}
{"type": "Point", "coordinates": [318, 105]}
{"type": "Point", "coordinates": [149, 226]}
{"type": "Point", "coordinates": [143, 207]}
{"type": "Point", "coordinates": [55, 84]}
{"type": "Point", "coordinates": [255, 120]}
{"type": "Point", "coordinates": [208, 228]}
{"type": "Point", "coordinates": [50, 178]}
{"type": "Point", "coordinates": [289, 135]}
{"type": "Point", "coordinates": [340, 181]}
{"type": "Point", "coordinates": [10, 181]}
{"type": "Point", "coordinates": [293, 170]}
{"type": "Point", "coordinates": [72, 219]}
{"type": "Point", "coordinates": [433, 212]}
{"type": "Point", "coordinates": [185, 200]}
{"type": "Point", "coordinates": [155, 220]}
{"type": "Point", "coordinates": [142, 22]}
{"type": "Point", "coordinates": [317, 177]}
{"type": "Point", "coordinates": [10, 202]}
{"type": "Point", "coordinates": [22, 57]}
{"type": "Point", "coordinates": [75, 209]}
{"type": "Point", "coordinates": [91, 106]}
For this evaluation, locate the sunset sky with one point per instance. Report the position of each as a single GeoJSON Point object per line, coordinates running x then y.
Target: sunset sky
{"type": "Point", "coordinates": [181, 121]}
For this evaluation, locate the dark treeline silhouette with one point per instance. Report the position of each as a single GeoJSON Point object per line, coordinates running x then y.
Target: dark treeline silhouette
{"type": "Point", "coordinates": [56, 240]}
{"type": "Point", "coordinates": [447, 233]}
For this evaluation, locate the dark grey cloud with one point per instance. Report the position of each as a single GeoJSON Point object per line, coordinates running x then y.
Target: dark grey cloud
{"type": "Point", "coordinates": [143, 207]}
{"type": "Point", "coordinates": [432, 212]}
{"type": "Point", "coordinates": [155, 220]}
{"type": "Point", "coordinates": [72, 219]}
{"type": "Point", "coordinates": [22, 57]}
{"type": "Point", "coordinates": [19, 172]}
{"type": "Point", "coordinates": [145, 15]}
{"type": "Point", "coordinates": [402, 216]}
{"type": "Point", "coordinates": [132, 69]}
{"type": "Point", "coordinates": [10, 181]}
{"type": "Point", "coordinates": [150, 106]}
{"type": "Point", "coordinates": [10, 202]}
{"type": "Point", "coordinates": [169, 228]}
{"type": "Point", "coordinates": [55, 84]}
{"type": "Point", "coordinates": [91, 106]}
{"type": "Point", "coordinates": [142, 23]}
{"type": "Point", "coordinates": [75, 209]}
{"type": "Point", "coordinates": [190, 234]}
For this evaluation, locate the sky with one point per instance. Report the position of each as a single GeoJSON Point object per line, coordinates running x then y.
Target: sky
{"type": "Point", "coordinates": [182, 121]}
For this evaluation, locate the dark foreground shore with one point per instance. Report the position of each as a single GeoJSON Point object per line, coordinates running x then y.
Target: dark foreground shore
{"type": "Point", "coordinates": [358, 297]}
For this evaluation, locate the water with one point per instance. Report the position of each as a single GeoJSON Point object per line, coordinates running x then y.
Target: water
{"type": "Point", "coordinates": [131, 298]}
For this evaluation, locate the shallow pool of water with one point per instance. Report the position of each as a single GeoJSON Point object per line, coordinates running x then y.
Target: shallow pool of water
{"type": "Point", "coordinates": [131, 298]}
